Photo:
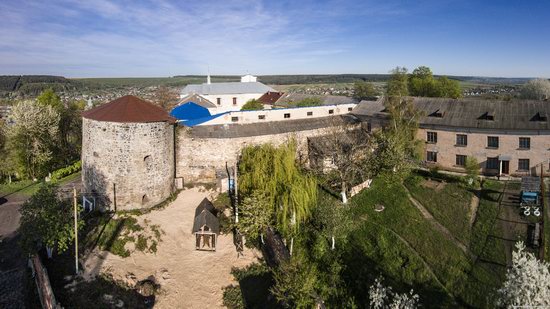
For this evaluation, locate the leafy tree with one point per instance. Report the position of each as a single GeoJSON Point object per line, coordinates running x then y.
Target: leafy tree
{"type": "Point", "coordinates": [274, 172]}
{"type": "Point", "coordinates": [527, 281]}
{"type": "Point", "coordinates": [47, 220]}
{"type": "Point", "coordinates": [472, 168]}
{"type": "Point", "coordinates": [48, 97]}
{"type": "Point", "coordinates": [295, 284]}
{"type": "Point", "coordinates": [536, 89]}
{"type": "Point", "coordinates": [398, 83]}
{"type": "Point", "coordinates": [447, 88]}
{"type": "Point", "coordinates": [255, 215]}
{"type": "Point", "coordinates": [314, 101]}
{"type": "Point", "coordinates": [396, 148]}
{"type": "Point", "coordinates": [364, 91]}
{"type": "Point", "coordinates": [382, 297]}
{"type": "Point", "coordinates": [33, 137]}
{"type": "Point", "coordinates": [70, 133]}
{"type": "Point", "coordinates": [422, 83]}
{"type": "Point", "coordinates": [252, 105]}
{"type": "Point", "coordinates": [166, 97]}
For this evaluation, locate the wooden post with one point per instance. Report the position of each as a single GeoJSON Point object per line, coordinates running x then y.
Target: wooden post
{"type": "Point", "coordinates": [75, 231]}
{"type": "Point", "coordinates": [236, 194]}
{"type": "Point", "coordinates": [114, 195]}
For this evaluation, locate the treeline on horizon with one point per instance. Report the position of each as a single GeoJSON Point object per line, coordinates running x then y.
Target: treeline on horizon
{"type": "Point", "coordinates": [32, 85]}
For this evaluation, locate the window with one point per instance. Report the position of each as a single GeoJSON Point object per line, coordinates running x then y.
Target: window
{"type": "Point", "coordinates": [431, 156]}
{"type": "Point", "coordinates": [287, 115]}
{"type": "Point", "coordinates": [261, 117]}
{"type": "Point", "coordinates": [310, 113]}
{"type": "Point", "coordinates": [492, 141]}
{"type": "Point", "coordinates": [234, 101]}
{"type": "Point", "coordinates": [350, 109]}
{"type": "Point", "coordinates": [432, 137]}
{"type": "Point", "coordinates": [331, 111]}
{"type": "Point", "coordinates": [461, 139]}
{"type": "Point", "coordinates": [487, 116]}
{"type": "Point", "coordinates": [234, 119]}
{"type": "Point", "coordinates": [492, 164]}
{"type": "Point", "coordinates": [524, 143]}
{"type": "Point", "coordinates": [219, 101]}
{"type": "Point", "coordinates": [369, 127]}
{"type": "Point", "coordinates": [523, 164]}
{"type": "Point", "coordinates": [461, 160]}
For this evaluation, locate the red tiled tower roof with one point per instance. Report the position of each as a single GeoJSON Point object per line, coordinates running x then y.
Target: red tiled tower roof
{"type": "Point", "coordinates": [128, 109]}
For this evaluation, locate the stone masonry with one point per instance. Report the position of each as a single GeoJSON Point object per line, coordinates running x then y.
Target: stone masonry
{"type": "Point", "coordinates": [137, 158]}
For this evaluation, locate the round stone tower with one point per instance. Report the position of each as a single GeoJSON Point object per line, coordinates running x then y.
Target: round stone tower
{"type": "Point", "coordinates": [128, 153]}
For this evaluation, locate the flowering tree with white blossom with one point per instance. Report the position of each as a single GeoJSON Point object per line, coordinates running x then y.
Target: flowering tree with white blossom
{"type": "Point", "coordinates": [382, 297]}
{"type": "Point", "coordinates": [527, 282]}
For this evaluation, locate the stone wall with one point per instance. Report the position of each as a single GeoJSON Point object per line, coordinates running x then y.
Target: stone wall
{"type": "Point", "coordinates": [198, 159]}
{"type": "Point", "coordinates": [136, 157]}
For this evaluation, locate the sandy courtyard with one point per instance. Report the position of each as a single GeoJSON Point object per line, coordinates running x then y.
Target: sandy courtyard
{"type": "Point", "coordinates": [188, 278]}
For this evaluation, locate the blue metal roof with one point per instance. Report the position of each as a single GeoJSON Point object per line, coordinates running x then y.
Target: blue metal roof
{"type": "Point", "coordinates": [189, 111]}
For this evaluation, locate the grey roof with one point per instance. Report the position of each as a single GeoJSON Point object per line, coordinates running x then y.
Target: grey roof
{"type": "Point", "coordinates": [197, 99]}
{"type": "Point", "coordinates": [470, 113]}
{"type": "Point", "coordinates": [288, 98]}
{"type": "Point", "coordinates": [205, 215]}
{"type": "Point", "coordinates": [227, 88]}
{"type": "Point", "coordinates": [265, 128]}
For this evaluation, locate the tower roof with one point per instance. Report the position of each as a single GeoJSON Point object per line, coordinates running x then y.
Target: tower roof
{"type": "Point", "coordinates": [128, 109]}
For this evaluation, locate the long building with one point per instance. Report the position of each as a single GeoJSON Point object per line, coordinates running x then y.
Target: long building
{"type": "Point", "coordinates": [505, 137]}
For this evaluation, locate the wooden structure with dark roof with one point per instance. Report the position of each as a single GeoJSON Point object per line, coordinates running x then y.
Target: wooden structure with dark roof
{"type": "Point", "coordinates": [128, 109]}
{"type": "Point", "coordinates": [206, 226]}
{"type": "Point", "coordinates": [270, 97]}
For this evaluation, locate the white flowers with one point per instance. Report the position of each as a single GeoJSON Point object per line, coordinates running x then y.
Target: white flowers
{"type": "Point", "coordinates": [527, 282]}
{"type": "Point", "coordinates": [380, 295]}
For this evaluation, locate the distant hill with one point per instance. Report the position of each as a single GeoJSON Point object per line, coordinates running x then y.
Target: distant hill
{"type": "Point", "coordinates": [32, 85]}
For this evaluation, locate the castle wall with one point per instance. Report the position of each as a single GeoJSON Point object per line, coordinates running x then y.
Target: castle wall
{"type": "Point", "coordinates": [199, 158]}
{"type": "Point", "coordinates": [137, 157]}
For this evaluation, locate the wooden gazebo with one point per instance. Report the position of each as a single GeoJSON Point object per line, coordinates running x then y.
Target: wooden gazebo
{"type": "Point", "coordinates": [206, 226]}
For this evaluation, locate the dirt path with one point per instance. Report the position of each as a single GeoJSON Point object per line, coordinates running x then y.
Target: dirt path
{"type": "Point", "coordinates": [188, 278]}
{"type": "Point", "coordinates": [428, 216]}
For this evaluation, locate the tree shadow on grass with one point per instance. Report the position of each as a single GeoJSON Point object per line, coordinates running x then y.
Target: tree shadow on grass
{"type": "Point", "coordinates": [255, 282]}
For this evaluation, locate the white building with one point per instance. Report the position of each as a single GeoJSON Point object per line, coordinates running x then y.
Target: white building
{"type": "Point", "coordinates": [227, 96]}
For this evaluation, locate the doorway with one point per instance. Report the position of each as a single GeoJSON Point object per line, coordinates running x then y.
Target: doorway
{"type": "Point", "coordinates": [505, 167]}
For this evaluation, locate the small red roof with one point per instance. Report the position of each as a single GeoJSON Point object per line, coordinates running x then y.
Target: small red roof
{"type": "Point", "coordinates": [270, 97]}
{"type": "Point", "coordinates": [128, 109]}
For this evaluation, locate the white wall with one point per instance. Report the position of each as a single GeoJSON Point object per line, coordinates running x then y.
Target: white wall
{"type": "Point", "coordinates": [226, 101]}
{"type": "Point", "coordinates": [278, 114]}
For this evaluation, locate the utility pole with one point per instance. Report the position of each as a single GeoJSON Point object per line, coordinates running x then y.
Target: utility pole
{"type": "Point", "coordinates": [75, 206]}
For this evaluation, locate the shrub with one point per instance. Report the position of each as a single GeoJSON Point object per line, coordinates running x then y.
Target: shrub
{"type": "Point", "coordinates": [233, 297]}
{"type": "Point", "coordinates": [66, 171]}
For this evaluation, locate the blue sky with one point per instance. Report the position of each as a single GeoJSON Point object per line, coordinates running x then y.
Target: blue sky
{"type": "Point", "coordinates": [101, 38]}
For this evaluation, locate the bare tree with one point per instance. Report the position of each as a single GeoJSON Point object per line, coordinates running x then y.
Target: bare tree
{"type": "Point", "coordinates": [341, 153]}
{"type": "Point", "coordinates": [166, 97]}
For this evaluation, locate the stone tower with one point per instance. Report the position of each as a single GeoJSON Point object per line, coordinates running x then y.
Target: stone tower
{"type": "Point", "coordinates": [128, 153]}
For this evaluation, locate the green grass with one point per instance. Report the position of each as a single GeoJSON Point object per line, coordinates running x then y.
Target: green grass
{"type": "Point", "coordinates": [450, 205]}
{"type": "Point", "coordinates": [471, 284]}
{"type": "Point", "coordinates": [112, 234]}
{"type": "Point", "coordinates": [17, 187]}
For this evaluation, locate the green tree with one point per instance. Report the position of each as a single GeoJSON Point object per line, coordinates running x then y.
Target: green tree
{"type": "Point", "coordinates": [47, 220]}
{"type": "Point", "coordinates": [472, 168]}
{"type": "Point", "coordinates": [252, 105]}
{"type": "Point", "coordinates": [274, 172]}
{"type": "Point", "coordinates": [363, 90]}
{"type": "Point", "coordinates": [398, 83]}
{"type": "Point", "coordinates": [448, 88]}
{"type": "Point", "coordinates": [34, 137]}
{"type": "Point", "coordinates": [48, 97]}
{"type": "Point", "coordinates": [536, 89]}
{"type": "Point", "coordinates": [422, 83]}
{"type": "Point", "coordinates": [255, 215]}
{"type": "Point", "coordinates": [295, 284]}
{"type": "Point", "coordinates": [70, 133]}
{"type": "Point", "coordinates": [313, 101]}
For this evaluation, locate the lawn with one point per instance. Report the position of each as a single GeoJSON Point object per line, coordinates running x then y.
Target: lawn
{"type": "Point", "coordinates": [28, 187]}
{"type": "Point", "coordinates": [449, 203]}
{"type": "Point", "coordinates": [470, 284]}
